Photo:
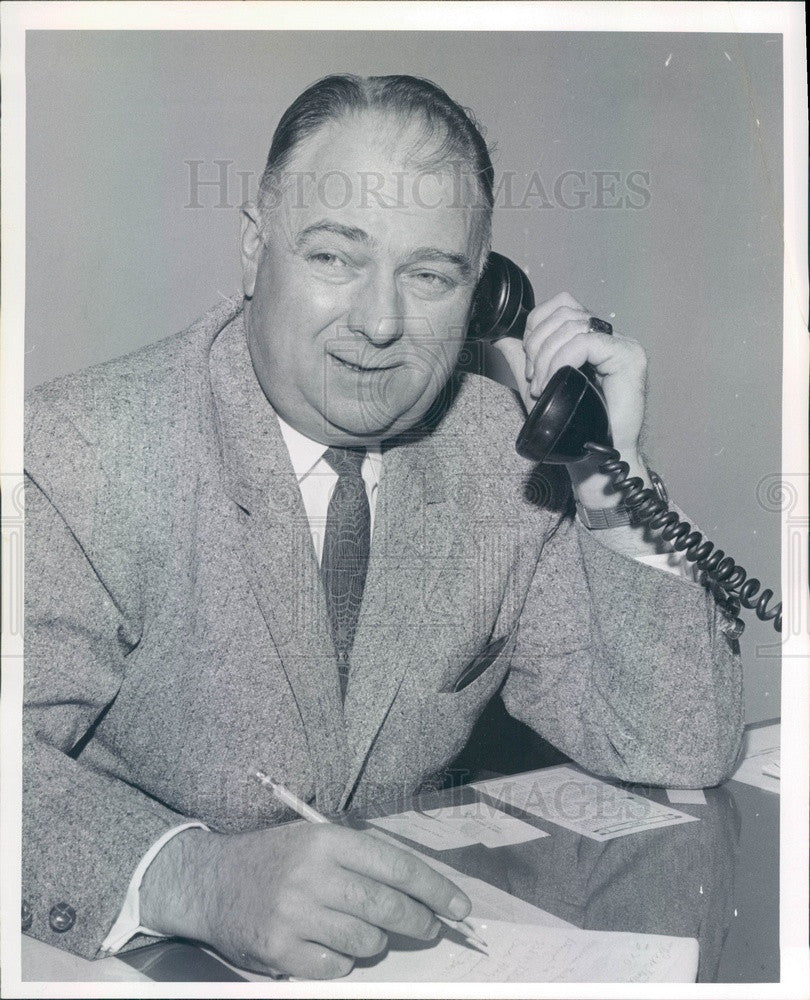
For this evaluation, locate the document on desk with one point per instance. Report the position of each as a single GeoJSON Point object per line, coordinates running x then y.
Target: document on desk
{"type": "Point", "coordinates": [759, 762]}
{"type": "Point", "coordinates": [524, 944]}
{"type": "Point", "coordinates": [488, 901]}
{"type": "Point", "coordinates": [460, 826]}
{"type": "Point", "coordinates": [773, 766]}
{"type": "Point", "coordinates": [518, 953]}
{"type": "Point", "coordinates": [577, 801]}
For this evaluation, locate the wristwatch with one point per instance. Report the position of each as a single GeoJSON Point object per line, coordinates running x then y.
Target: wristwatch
{"type": "Point", "coordinates": [597, 518]}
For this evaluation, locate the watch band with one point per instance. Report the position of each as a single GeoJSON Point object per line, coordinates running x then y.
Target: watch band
{"type": "Point", "coordinates": [658, 486]}
{"type": "Point", "coordinates": [598, 518]}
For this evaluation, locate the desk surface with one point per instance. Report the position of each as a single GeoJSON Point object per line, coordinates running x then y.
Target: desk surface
{"type": "Point", "coordinates": [716, 880]}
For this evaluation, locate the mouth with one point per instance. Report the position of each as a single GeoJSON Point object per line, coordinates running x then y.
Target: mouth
{"type": "Point", "coordinates": [362, 369]}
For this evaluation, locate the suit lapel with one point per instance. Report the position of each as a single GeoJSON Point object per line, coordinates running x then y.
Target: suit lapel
{"type": "Point", "coordinates": [277, 554]}
{"type": "Point", "coordinates": [415, 534]}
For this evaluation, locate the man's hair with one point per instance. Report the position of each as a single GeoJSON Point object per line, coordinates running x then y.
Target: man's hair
{"type": "Point", "coordinates": [451, 134]}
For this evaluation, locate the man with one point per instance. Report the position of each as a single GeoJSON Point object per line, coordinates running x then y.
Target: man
{"type": "Point", "coordinates": [189, 620]}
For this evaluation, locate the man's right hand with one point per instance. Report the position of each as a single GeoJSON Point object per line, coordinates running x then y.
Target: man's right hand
{"type": "Point", "coordinates": [302, 899]}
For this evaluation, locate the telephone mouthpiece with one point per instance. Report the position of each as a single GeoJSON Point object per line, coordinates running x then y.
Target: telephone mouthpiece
{"type": "Point", "coordinates": [570, 413]}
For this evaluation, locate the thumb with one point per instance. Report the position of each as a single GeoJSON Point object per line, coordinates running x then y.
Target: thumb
{"type": "Point", "coordinates": [506, 363]}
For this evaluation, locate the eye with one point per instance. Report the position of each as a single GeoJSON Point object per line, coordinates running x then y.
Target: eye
{"type": "Point", "coordinates": [326, 259]}
{"type": "Point", "coordinates": [431, 284]}
{"type": "Point", "coordinates": [326, 265]}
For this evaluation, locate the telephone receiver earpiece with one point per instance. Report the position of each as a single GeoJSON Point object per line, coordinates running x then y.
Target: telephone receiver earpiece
{"type": "Point", "coordinates": [571, 409]}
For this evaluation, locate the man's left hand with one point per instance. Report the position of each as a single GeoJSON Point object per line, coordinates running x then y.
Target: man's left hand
{"type": "Point", "coordinates": [557, 334]}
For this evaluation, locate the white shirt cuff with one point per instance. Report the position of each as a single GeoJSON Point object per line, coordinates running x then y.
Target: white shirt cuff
{"type": "Point", "coordinates": [670, 562]}
{"type": "Point", "coordinates": [128, 922]}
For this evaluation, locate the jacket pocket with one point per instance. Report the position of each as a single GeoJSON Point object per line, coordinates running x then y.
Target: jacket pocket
{"type": "Point", "coordinates": [484, 672]}
{"type": "Point", "coordinates": [477, 667]}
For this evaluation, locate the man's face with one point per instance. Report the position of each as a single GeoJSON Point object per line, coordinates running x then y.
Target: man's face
{"type": "Point", "coordinates": [356, 313]}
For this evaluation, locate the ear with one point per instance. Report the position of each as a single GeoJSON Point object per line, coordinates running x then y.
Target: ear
{"type": "Point", "coordinates": [250, 247]}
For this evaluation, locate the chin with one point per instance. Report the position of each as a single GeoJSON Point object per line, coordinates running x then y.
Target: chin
{"type": "Point", "coordinates": [347, 431]}
{"type": "Point", "coordinates": [351, 427]}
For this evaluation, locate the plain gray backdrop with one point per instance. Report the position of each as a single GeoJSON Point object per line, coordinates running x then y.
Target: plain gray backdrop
{"type": "Point", "coordinates": [123, 249]}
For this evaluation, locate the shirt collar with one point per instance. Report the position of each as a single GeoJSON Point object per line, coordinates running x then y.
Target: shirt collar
{"type": "Point", "coordinates": [305, 453]}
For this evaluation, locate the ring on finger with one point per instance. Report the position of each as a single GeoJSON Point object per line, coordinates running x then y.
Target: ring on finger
{"type": "Point", "coordinates": [596, 325]}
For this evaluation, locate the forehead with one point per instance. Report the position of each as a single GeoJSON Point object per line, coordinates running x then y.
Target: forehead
{"type": "Point", "coordinates": [367, 171]}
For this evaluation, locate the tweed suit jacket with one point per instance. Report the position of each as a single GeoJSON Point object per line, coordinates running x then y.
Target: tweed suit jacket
{"type": "Point", "coordinates": [177, 635]}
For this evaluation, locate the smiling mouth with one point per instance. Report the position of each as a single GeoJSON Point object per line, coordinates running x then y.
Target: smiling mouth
{"type": "Point", "coordinates": [362, 368]}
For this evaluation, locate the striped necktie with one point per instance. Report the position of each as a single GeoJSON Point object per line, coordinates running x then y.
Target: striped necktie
{"type": "Point", "coordinates": [346, 544]}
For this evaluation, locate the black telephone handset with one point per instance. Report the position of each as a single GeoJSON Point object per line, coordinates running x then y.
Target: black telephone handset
{"type": "Point", "coordinates": [569, 423]}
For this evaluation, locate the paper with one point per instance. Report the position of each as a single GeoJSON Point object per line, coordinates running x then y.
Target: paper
{"type": "Point", "coordinates": [760, 758]}
{"type": "Point", "coordinates": [686, 796]}
{"type": "Point", "coordinates": [491, 826]}
{"type": "Point", "coordinates": [488, 901]}
{"type": "Point", "coordinates": [577, 801]}
{"type": "Point", "coordinates": [460, 826]}
{"type": "Point", "coordinates": [518, 954]}
{"type": "Point", "coordinates": [773, 767]}
{"type": "Point", "coordinates": [426, 830]}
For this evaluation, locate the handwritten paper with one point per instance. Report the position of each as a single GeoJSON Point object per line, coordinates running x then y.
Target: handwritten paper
{"type": "Point", "coordinates": [577, 801]}
{"type": "Point", "coordinates": [460, 826]}
{"type": "Point", "coordinates": [519, 953]}
{"type": "Point", "coordinates": [489, 905]}
{"type": "Point", "coordinates": [488, 901]}
{"type": "Point", "coordinates": [760, 758]}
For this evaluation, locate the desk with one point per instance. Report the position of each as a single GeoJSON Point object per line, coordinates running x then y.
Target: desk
{"type": "Point", "coordinates": [716, 880]}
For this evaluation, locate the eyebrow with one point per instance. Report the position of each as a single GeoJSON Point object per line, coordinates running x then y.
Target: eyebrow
{"type": "Point", "coordinates": [337, 229]}
{"type": "Point", "coordinates": [459, 260]}
{"type": "Point", "coordinates": [357, 235]}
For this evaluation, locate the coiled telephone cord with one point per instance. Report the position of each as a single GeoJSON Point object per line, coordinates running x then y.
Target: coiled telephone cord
{"type": "Point", "coordinates": [721, 570]}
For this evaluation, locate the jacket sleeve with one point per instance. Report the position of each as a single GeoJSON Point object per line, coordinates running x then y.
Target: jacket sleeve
{"type": "Point", "coordinates": [627, 669]}
{"type": "Point", "coordinates": [84, 831]}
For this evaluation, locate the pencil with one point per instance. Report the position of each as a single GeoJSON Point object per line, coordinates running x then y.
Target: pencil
{"type": "Point", "coordinates": [283, 794]}
{"type": "Point", "coordinates": [286, 796]}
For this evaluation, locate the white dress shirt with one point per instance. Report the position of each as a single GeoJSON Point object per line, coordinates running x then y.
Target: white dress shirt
{"type": "Point", "coordinates": [317, 479]}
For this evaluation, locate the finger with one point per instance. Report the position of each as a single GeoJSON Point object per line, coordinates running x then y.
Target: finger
{"type": "Point", "coordinates": [550, 322]}
{"type": "Point", "coordinates": [511, 350]}
{"type": "Point", "coordinates": [381, 906]}
{"type": "Point", "coordinates": [535, 336]}
{"type": "Point", "coordinates": [528, 360]}
{"type": "Point", "coordinates": [608, 354]}
{"type": "Point", "coordinates": [542, 311]}
{"type": "Point", "coordinates": [344, 933]}
{"type": "Point", "coordinates": [385, 863]}
{"type": "Point", "coordinates": [540, 351]}
{"type": "Point", "coordinates": [315, 961]}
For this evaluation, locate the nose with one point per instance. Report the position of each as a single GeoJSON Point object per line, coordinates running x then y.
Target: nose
{"type": "Point", "coordinates": [377, 311]}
